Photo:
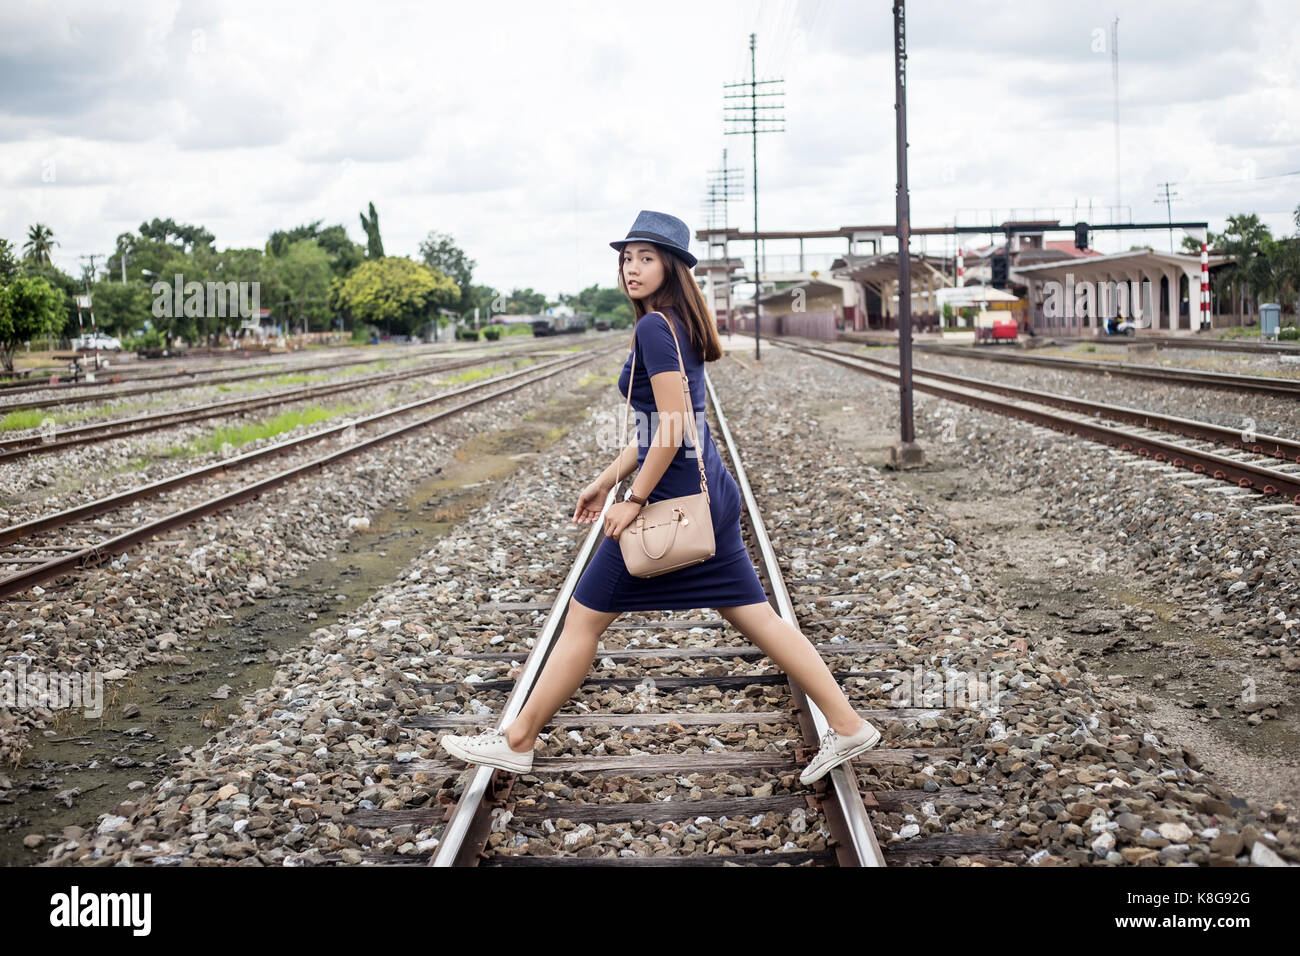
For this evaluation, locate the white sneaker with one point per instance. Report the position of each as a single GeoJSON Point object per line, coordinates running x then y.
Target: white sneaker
{"type": "Point", "coordinates": [488, 748]}
{"type": "Point", "coordinates": [837, 748]}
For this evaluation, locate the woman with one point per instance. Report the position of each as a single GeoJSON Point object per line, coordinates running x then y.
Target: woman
{"type": "Point", "coordinates": [655, 274]}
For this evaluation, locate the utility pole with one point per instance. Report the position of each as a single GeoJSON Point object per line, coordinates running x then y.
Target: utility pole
{"type": "Point", "coordinates": [751, 128]}
{"type": "Point", "coordinates": [1167, 198]}
{"type": "Point", "coordinates": [90, 303]}
{"type": "Point", "coordinates": [907, 453]}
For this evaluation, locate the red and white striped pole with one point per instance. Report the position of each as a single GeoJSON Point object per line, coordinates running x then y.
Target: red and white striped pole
{"type": "Point", "coordinates": [961, 283]}
{"type": "Point", "coordinates": [1205, 284]}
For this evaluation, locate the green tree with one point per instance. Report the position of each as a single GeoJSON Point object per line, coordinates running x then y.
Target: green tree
{"type": "Point", "coordinates": [121, 308]}
{"type": "Point", "coordinates": [345, 255]}
{"type": "Point", "coordinates": [374, 245]}
{"type": "Point", "coordinates": [394, 293]}
{"type": "Point", "coordinates": [9, 269]}
{"type": "Point", "coordinates": [439, 251]}
{"type": "Point", "coordinates": [303, 272]}
{"type": "Point", "coordinates": [57, 279]}
{"type": "Point", "coordinates": [40, 243]}
{"type": "Point", "coordinates": [30, 308]}
{"type": "Point", "coordinates": [183, 236]}
{"type": "Point", "coordinates": [523, 302]}
{"type": "Point", "coordinates": [607, 303]}
{"type": "Point", "coordinates": [1241, 241]}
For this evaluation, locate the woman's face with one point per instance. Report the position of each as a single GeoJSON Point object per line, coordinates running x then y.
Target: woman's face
{"type": "Point", "coordinates": [643, 269]}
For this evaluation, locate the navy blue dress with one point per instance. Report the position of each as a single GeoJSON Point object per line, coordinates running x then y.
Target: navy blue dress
{"type": "Point", "coordinates": [728, 578]}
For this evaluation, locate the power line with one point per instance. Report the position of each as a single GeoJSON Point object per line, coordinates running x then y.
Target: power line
{"type": "Point", "coordinates": [1240, 182]}
{"type": "Point", "coordinates": [1167, 199]}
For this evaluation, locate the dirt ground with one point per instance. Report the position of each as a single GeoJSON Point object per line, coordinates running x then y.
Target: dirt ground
{"type": "Point", "coordinates": [1194, 683]}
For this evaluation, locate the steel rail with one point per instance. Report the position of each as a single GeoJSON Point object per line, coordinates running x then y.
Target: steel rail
{"type": "Point", "coordinates": [845, 810]}
{"type": "Point", "coordinates": [1273, 446]}
{"type": "Point", "coordinates": [1267, 481]}
{"type": "Point", "coordinates": [1255, 384]}
{"type": "Point", "coordinates": [469, 823]}
{"type": "Point", "coordinates": [98, 553]}
{"type": "Point", "coordinates": [23, 446]}
{"type": "Point", "coordinates": [128, 389]}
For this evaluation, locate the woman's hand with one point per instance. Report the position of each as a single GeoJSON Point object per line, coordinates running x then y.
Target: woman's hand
{"type": "Point", "coordinates": [589, 503]}
{"type": "Point", "coordinates": [619, 516]}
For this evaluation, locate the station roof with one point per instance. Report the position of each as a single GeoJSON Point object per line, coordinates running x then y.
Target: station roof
{"type": "Point", "coordinates": [884, 267]}
{"type": "Point", "coordinates": [813, 286]}
{"type": "Point", "coordinates": [1052, 250]}
{"type": "Point", "coordinates": [1141, 258]}
{"type": "Point", "coordinates": [973, 295]}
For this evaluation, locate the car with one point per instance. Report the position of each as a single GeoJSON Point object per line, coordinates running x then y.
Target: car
{"type": "Point", "coordinates": [98, 340]}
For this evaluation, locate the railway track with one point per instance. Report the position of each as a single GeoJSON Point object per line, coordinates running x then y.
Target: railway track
{"type": "Point", "coordinates": [37, 444]}
{"type": "Point", "coordinates": [1255, 384]}
{"type": "Point", "coordinates": [1175, 342]}
{"type": "Point", "coordinates": [52, 395]}
{"type": "Point", "coordinates": [1268, 464]}
{"type": "Point", "coordinates": [45, 548]}
{"type": "Point", "coordinates": [706, 685]}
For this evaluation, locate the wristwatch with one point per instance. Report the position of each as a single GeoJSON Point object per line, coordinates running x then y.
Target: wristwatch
{"type": "Point", "coordinates": [634, 498]}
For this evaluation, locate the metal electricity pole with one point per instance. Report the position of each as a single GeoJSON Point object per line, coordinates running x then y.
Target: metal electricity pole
{"type": "Point", "coordinates": [1167, 198]}
{"type": "Point", "coordinates": [750, 120]}
{"type": "Point", "coordinates": [722, 184]}
{"type": "Point", "coordinates": [907, 452]}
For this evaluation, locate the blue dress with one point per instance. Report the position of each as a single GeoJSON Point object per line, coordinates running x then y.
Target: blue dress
{"type": "Point", "coordinates": [728, 578]}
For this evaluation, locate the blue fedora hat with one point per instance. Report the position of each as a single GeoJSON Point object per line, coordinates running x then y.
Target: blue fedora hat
{"type": "Point", "coordinates": [660, 229]}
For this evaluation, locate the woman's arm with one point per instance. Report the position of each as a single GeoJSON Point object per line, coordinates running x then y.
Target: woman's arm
{"type": "Point", "coordinates": [670, 403]}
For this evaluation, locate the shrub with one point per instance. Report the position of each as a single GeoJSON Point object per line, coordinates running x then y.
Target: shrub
{"type": "Point", "coordinates": [492, 333]}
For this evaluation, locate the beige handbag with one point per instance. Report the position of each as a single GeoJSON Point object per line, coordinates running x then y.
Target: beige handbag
{"type": "Point", "coordinates": [674, 532]}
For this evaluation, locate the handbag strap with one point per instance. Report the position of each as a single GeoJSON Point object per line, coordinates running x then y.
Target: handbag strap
{"type": "Point", "coordinates": [686, 390]}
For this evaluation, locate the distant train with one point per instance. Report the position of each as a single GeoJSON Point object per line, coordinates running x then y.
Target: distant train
{"type": "Point", "coordinates": [559, 324]}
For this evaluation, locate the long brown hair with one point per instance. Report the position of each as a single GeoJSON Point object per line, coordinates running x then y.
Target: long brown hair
{"type": "Point", "coordinates": [680, 293]}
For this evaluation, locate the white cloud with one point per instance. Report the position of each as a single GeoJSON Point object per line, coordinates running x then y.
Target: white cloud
{"type": "Point", "coordinates": [534, 132]}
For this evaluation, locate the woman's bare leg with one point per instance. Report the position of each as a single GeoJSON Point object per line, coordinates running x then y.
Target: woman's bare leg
{"type": "Point", "coordinates": [565, 671]}
{"type": "Point", "coordinates": [794, 654]}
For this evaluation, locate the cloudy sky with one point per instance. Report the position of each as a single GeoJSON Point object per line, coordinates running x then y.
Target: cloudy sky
{"type": "Point", "coordinates": [534, 132]}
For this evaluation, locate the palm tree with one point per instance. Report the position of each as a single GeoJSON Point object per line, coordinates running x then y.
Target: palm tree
{"type": "Point", "coordinates": [40, 240]}
{"type": "Point", "coordinates": [1241, 240]}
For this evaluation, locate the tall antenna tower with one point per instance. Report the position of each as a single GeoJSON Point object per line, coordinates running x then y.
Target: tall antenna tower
{"type": "Point", "coordinates": [750, 122]}
{"type": "Point", "coordinates": [1114, 78]}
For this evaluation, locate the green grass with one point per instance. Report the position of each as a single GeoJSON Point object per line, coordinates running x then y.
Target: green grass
{"type": "Point", "coordinates": [305, 378]}
{"type": "Point", "coordinates": [22, 418]}
{"type": "Point", "coordinates": [472, 374]}
{"type": "Point", "coordinates": [242, 434]}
